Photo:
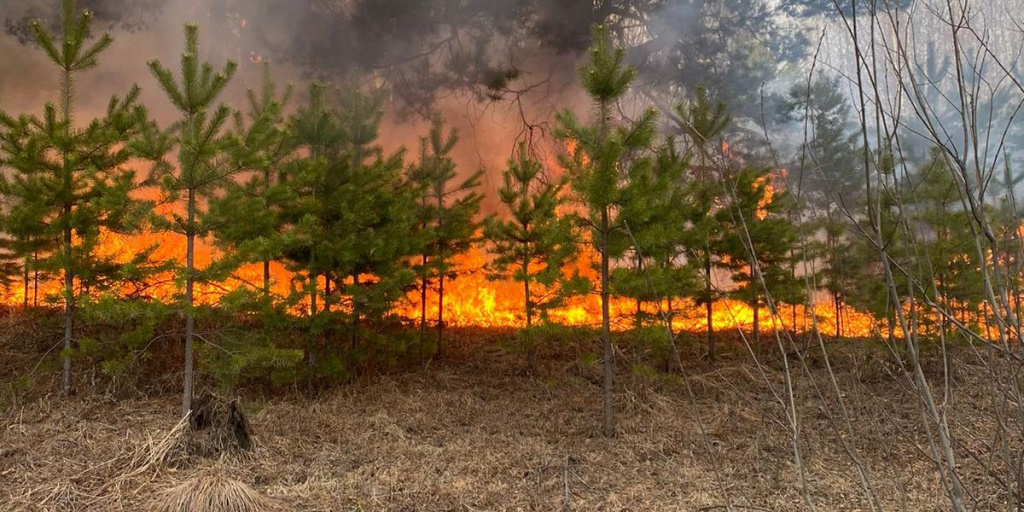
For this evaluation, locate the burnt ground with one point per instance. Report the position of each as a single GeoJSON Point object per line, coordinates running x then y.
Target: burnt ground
{"type": "Point", "coordinates": [475, 432]}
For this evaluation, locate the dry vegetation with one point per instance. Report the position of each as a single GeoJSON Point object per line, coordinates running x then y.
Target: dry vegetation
{"type": "Point", "coordinates": [476, 433]}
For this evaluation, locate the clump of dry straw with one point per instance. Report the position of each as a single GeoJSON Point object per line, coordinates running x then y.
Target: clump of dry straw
{"type": "Point", "coordinates": [211, 493]}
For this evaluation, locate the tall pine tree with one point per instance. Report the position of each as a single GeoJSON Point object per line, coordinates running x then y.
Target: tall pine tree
{"type": "Point", "coordinates": [317, 134]}
{"type": "Point", "coordinates": [244, 219]}
{"type": "Point", "coordinates": [656, 209]}
{"type": "Point", "coordinates": [760, 242]}
{"type": "Point", "coordinates": [828, 179]}
{"type": "Point", "coordinates": [536, 241]}
{"type": "Point", "coordinates": [449, 207]}
{"type": "Point", "coordinates": [704, 122]}
{"type": "Point", "coordinates": [603, 155]}
{"type": "Point", "coordinates": [373, 215]}
{"type": "Point", "coordinates": [71, 183]}
{"type": "Point", "coordinates": [205, 161]}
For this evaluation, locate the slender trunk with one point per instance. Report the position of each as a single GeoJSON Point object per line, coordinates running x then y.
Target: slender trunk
{"type": "Point", "coordinates": [327, 293]}
{"type": "Point", "coordinates": [839, 314]}
{"type": "Point", "coordinates": [637, 325]}
{"type": "Point", "coordinates": [355, 313]}
{"type": "Point", "coordinates": [313, 276]}
{"type": "Point", "coordinates": [606, 333]}
{"type": "Point", "coordinates": [35, 281]}
{"type": "Point", "coordinates": [190, 318]}
{"type": "Point", "coordinates": [708, 306]}
{"type": "Point", "coordinates": [423, 307]}
{"type": "Point", "coordinates": [311, 341]}
{"type": "Point", "coordinates": [69, 306]}
{"type": "Point", "coordinates": [26, 282]}
{"type": "Point", "coordinates": [266, 277]}
{"type": "Point", "coordinates": [440, 275]}
{"type": "Point", "coordinates": [755, 304]}
{"type": "Point", "coordinates": [69, 276]}
{"type": "Point", "coordinates": [531, 349]}
{"type": "Point", "coordinates": [267, 176]}
{"type": "Point", "coordinates": [671, 334]}
{"type": "Point", "coordinates": [440, 312]}
{"type": "Point", "coordinates": [792, 274]}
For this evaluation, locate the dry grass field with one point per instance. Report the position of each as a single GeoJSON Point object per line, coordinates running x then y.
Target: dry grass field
{"type": "Point", "coordinates": [477, 433]}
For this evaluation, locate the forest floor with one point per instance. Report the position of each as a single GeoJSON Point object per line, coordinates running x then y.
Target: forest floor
{"type": "Point", "coordinates": [476, 432]}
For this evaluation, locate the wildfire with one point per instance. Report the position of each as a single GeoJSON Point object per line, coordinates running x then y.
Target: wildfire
{"type": "Point", "coordinates": [472, 298]}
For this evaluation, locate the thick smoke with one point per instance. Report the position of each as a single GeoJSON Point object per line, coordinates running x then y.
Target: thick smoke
{"type": "Point", "coordinates": [494, 87]}
{"type": "Point", "coordinates": [496, 69]}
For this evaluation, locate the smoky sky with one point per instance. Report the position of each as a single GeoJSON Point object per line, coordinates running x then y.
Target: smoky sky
{"type": "Point", "coordinates": [495, 69]}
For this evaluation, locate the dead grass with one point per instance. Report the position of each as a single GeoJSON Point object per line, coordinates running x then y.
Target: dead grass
{"type": "Point", "coordinates": [211, 493]}
{"type": "Point", "coordinates": [476, 433]}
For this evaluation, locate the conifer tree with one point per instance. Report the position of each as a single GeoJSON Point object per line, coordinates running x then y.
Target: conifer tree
{"type": "Point", "coordinates": [760, 241]}
{"type": "Point", "coordinates": [704, 121]}
{"type": "Point", "coordinates": [533, 245]}
{"type": "Point", "coordinates": [10, 264]}
{"type": "Point", "coordinates": [70, 183]}
{"type": "Point", "coordinates": [604, 155]}
{"type": "Point", "coordinates": [656, 209]}
{"type": "Point", "coordinates": [449, 210]}
{"type": "Point", "coordinates": [828, 178]}
{"type": "Point", "coordinates": [347, 212]}
{"type": "Point", "coordinates": [245, 219]}
{"type": "Point", "coordinates": [28, 243]}
{"type": "Point", "coordinates": [317, 133]}
{"type": "Point", "coordinates": [374, 215]}
{"type": "Point", "coordinates": [946, 246]}
{"type": "Point", "coordinates": [828, 158]}
{"type": "Point", "coordinates": [205, 161]}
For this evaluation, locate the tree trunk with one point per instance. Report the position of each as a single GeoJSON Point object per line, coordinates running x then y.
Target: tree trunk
{"type": "Point", "coordinates": [311, 341]}
{"type": "Point", "coordinates": [69, 276]}
{"type": "Point", "coordinates": [441, 270]}
{"type": "Point", "coordinates": [355, 314]}
{"type": "Point", "coordinates": [423, 307]}
{"type": "Point", "coordinates": [638, 324]}
{"type": "Point", "coordinates": [440, 313]}
{"type": "Point", "coordinates": [190, 318]}
{"type": "Point", "coordinates": [672, 334]}
{"type": "Point", "coordinates": [26, 282]}
{"type": "Point", "coordinates": [839, 315]}
{"type": "Point", "coordinates": [35, 282]}
{"type": "Point", "coordinates": [327, 293]}
{"type": "Point", "coordinates": [708, 306]}
{"type": "Point", "coordinates": [755, 304]}
{"type": "Point", "coordinates": [267, 177]}
{"type": "Point", "coordinates": [606, 333]}
{"type": "Point", "coordinates": [69, 306]}
{"type": "Point", "coordinates": [531, 349]}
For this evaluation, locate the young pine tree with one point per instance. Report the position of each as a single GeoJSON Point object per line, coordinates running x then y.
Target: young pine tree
{"type": "Point", "coordinates": [71, 184]}
{"type": "Point", "coordinates": [704, 121]}
{"type": "Point", "coordinates": [204, 164]}
{"type": "Point", "coordinates": [604, 155]}
{"type": "Point", "coordinates": [304, 214]}
{"type": "Point", "coordinates": [245, 219]}
{"type": "Point", "coordinates": [27, 242]}
{"type": "Point", "coordinates": [760, 242]}
{"type": "Point", "coordinates": [449, 207]}
{"type": "Point", "coordinates": [829, 179]}
{"type": "Point", "coordinates": [535, 242]}
{"type": "Point", "coordinates": [10, 263]}
{"type": "Point", "coordinates": [372, 217]}
{"type": "Point", "coordinates": [656, 209]}
{"type": "Point", "coordinates": [945, 242]}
